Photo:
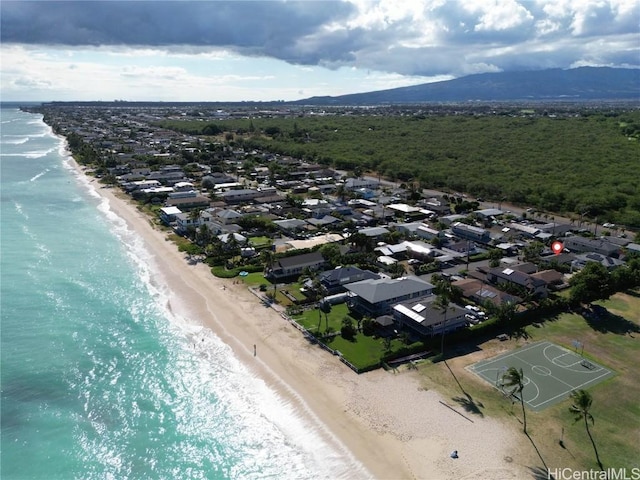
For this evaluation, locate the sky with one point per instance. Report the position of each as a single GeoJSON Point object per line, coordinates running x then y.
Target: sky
{"type": "Point", "coordinates": [289, 50]}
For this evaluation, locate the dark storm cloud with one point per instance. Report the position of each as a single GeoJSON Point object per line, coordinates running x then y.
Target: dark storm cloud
{"type": "Point", "coordinates": [250, 24]}
{"type": "Point", "coordinates": [434, 38]}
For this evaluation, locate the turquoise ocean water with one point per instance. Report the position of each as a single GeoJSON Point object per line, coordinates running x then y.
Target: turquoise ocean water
{"type": "Point", "coordinates": [98, 379]}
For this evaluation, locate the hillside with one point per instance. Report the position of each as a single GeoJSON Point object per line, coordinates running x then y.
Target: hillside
{"type": "Point", "coordinates": [578, 84]}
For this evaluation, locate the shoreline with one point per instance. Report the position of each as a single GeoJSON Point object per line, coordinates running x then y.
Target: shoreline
{"type": "Point", "coordinates": [390, 426]}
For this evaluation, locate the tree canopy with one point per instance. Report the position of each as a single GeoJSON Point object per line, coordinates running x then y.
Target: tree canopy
{"type": "Point", "coordinates": [571, 163]}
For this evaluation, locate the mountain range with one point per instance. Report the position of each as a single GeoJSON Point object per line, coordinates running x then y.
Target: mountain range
{"type": "Point", "coordinates": [577, 84]}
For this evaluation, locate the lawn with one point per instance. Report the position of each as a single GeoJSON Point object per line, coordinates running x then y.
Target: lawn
{"type": "Point", "coordinates": [363, 352]}
{"type": "Point", "coordinates": [260, 242]}
{"type": "Point", "coordinates": [612, 340]}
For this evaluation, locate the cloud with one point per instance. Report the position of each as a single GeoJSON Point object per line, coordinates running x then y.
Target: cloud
{"type": "Point", "coordinates": [411, 38]}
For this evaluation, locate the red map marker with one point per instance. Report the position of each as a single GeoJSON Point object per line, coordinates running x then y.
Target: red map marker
{"type": "Point", "coordinates": [557, 247]}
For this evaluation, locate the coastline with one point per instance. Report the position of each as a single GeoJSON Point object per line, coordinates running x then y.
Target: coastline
{"type": "Point", "coordinates": [389, 424]}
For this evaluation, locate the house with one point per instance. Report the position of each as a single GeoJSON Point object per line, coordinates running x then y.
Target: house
{"type": "Point", "coordinates": [323, 221]}
{"type": "Point", "coordinates": [525, 231]}
{"type": "Point", "coordinates": [530, 284]}
{"type": "Point", "coordinates": [360, 183]}
{"type": "Point", "coordinates": [290, 267]}
{"type": "Point", "coordinates": [469, 232]}
{"type": "Point", "coordinates": [451, 219]}
{"type": "Point", "coordinates": [425, 319]}
{"type": "Point", "coordinates": [481, 293]}
{"type": "Point", "coordinates": [185, 221]}
{"type": "Point", "coordinates": [436, 204]}
{"type": "Point", "coordinates": [238, 239]}
{"type": "Point", "coordinates": [168, 214]}
{"type": "Point", "coordinates": [186, 203]}
{"type": "Point", "coordinates": [374, 232]}
{"type": "Point", "coordinates": [608, 262]}
{"type": "Point", "coordinates": [553, 278]}
{"type": "Point", "coordinates": [373, 298]}
{"type": "Point", "coordinates": [291, 225]}
{"type": "Point", "coordinates": [335, 280]}
{"type": "Point", "coordinates": [487, 213]}
{"type": "Point", "coordinates": [239, 196]}
{"type": "Point", "coordinates": [596, 245]}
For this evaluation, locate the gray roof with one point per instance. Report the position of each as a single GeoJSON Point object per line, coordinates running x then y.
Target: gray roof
{"type": "Point", "coordinates": [304, 259]}
{"type": "Point", "coordinates": [290, 223]}
{"type": "Point", "coordinates": [326, 220]}
{"type": "Point", "coordinates": [374, 291]}
{"type": "Point", "coordinates": [344, 275]}
{"type": "Point", "coordinates": [373, 231]}
{"type": "Point", "coordinates": [426, 313]}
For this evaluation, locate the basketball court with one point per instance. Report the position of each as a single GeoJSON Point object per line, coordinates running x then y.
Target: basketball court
{"type": "Point", "coordinates": [550, 371]}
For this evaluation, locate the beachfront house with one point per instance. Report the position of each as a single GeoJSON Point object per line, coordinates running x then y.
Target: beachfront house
{"type": "Point", "coordinates": [335, 280]}
{"type": "Point", "coordinates": [428, 320]}
{"type": "Point", "coordinates": [376, 297]}
{"type": "Point", "coordinates": [168, 215]}
{"type": "Point", "coordinates": [292, 267]}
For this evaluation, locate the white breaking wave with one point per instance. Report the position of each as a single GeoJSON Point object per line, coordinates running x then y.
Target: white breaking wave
{"type": "Point", "coordinates": [282, 441]}
{"type": "Point", "coordinates": [18, 141]}
{"type": "Point", "coordinates": [37, 176]}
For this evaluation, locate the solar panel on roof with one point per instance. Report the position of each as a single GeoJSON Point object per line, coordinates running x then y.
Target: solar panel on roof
{"type": "Point", "coordinates": [418, 307]}
{"type": "Point", "coordinates": [487, 294]}
{"type": "Point", "coordinates": [507, 271]}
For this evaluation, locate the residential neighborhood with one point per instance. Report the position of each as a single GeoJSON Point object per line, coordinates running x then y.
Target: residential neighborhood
{"type": "Point", "coordinates": [387, 251]}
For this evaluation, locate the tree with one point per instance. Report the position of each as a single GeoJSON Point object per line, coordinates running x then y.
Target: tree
{"type": "Point", "coordinates": [505, 312]}
{"type": "Point", "coordinates": [513, 380]}
{"type": "Point", "coordinates": [267, 257]}
{"type": "Point", "coordinates": [444, 293]}
{"type": "Point", "coordinates": [591, 283]}
{"type": "Point", "coordinates": [347, 330]}
{"type": "Point", "coordinates": [531, 252]}
{"type": "Point", "coordinates": [495, 254]}
{"type": "Point", "coordinates": [580, 408]}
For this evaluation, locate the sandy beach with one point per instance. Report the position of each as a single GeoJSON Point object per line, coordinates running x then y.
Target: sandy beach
{"type": "Point", "coordinates": [392, 426]}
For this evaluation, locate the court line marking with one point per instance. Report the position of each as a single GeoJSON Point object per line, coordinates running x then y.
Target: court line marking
{"type": "Point", "coordinates": [575, 388]}
{"type": "Point", "coordinates": [532, 346]}
{"type": "Point", "coordinates": [511, 354]}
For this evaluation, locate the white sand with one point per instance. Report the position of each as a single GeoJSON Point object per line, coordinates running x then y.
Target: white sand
{"type": "Point", "coordinates": [392, 426]}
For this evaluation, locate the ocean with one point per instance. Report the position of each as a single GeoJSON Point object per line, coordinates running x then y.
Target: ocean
{"type": "Point", "coordinates": [98, 379]}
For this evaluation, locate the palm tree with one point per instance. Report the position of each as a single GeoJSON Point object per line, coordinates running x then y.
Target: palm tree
{"type": "Point", "coordinates": [580, 408]}
{"type": "Point", "coordinates": [268, 257]}
{"type": "Point", "coordinates": [513, 380]}
{"type": "Point", "coordinates": [444, 293]}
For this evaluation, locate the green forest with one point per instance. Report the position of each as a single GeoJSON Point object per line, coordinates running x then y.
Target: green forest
{"type": "Point", "coordinates": [581, 163]}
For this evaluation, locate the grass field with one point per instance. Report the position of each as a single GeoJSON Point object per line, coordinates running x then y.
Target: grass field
{"type": "Point", "coordinates": [612, 339]}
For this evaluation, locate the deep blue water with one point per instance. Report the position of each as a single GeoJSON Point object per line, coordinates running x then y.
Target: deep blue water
{"type": "Point", "coordinates": [99, 380]}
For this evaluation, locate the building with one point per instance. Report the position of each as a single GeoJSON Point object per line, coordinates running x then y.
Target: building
{"type": "Point", "coordinates": [425, 319]}
{"type": "Point", "coordinates": [595, 245]}
{"type": "Point", "coordinates": [335, 280]}
{"type": "Point", "coordinates": [530, 284]}
{"type": "Point", "coordinates": [469, 232]}
{"type": "Point", "coordinates": [290, 267]}
{"type": "Point", "coordinates": [373, 298]}
{"type": "Point", "coordinates": [168, 214]}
